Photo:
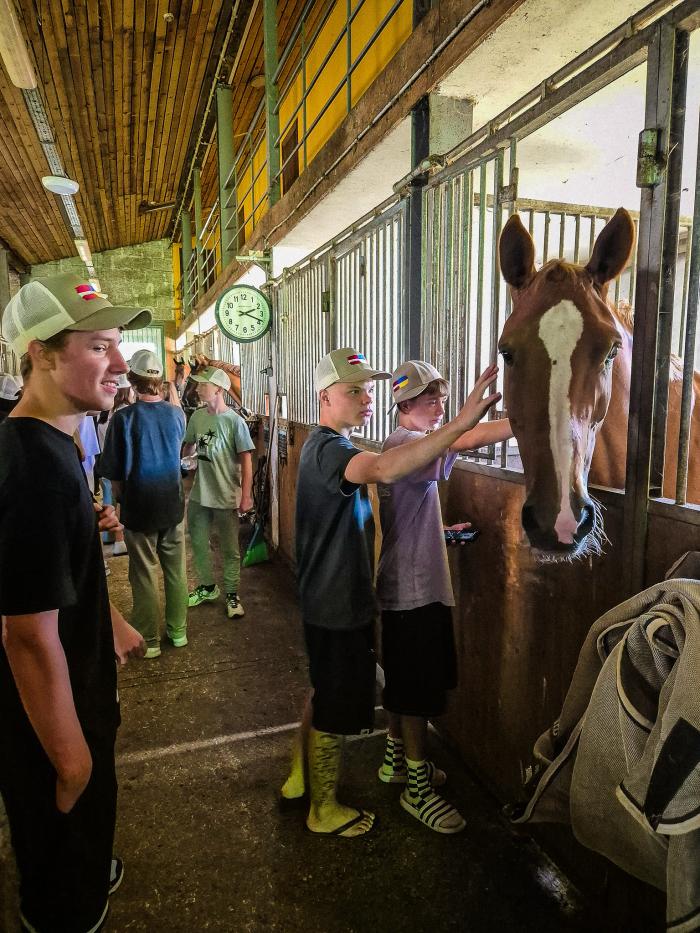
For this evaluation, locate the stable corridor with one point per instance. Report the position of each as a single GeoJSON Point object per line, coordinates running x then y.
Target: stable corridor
{"type": "Point", "coordinates": [201, 753]}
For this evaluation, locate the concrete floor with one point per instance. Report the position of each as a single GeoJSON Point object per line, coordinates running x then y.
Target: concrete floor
{"type": "Point", "coordinates": [201, 753]}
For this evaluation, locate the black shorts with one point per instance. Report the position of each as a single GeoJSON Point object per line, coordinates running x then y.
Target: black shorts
{"type": "Point", "coordinates": [418, 655]}
{"type": "Point", "coordinates": [343, 672]}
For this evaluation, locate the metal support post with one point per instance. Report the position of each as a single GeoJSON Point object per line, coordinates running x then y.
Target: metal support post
{"type": "Point", "coordinates": [661, 67]}
{"type": "Point", "coordinates": [227, 192]}
{"type": "Point", "coordinates": [186, 260]}
{"type": "Point", "coordinates": [197, 184]}
{"type": "Point", "coordinates": [420, 144]}
{"type": "Point", "coordinates": [272, 120]}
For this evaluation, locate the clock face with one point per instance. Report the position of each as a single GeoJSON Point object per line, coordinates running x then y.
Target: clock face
{"type": "Point", "coordinates": [243, 313]}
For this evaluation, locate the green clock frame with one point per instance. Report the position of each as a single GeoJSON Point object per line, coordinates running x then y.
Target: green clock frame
{"type": "Point", "coordinates": [253, 300]}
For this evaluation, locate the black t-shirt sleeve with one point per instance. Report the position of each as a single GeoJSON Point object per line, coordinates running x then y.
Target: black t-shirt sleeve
{"type": "Point", "coordinates": [333, 455]}
{"type": "Point", "coordinates": [35, 570]}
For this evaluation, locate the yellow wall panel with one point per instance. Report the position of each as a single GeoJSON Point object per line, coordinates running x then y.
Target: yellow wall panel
{"type": "Point", "coordinates": [385, 46]}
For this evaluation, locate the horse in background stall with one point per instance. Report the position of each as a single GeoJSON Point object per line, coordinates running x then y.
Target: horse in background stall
{"type": "Point", "coordinates": [190, 401]}
{"type": "Point", "coordinates": [180, 377]}
{"type": "Point", "coordinates": [568, 359]}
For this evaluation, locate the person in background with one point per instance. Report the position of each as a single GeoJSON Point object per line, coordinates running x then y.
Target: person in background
{"type": "Point", "coordinates": [124, 397]}
{"type": "Point", "coordinates": [141, 458]}
{"type": "Point", "coordinates": [223, 486]}
{"type": "Point", "coordinates": [59, 709]}
{"type": "Point", "coordinates": [10, 389]}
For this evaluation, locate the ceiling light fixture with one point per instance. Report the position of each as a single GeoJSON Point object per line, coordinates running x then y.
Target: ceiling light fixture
{"type": "Point", "coordinates": [84, 251]}
{"type": "Point", "coordinates": [150, 207]}
{"type": "Point", "coordinates": [13, 49]}
{"type": "Point", "coordinates": [59, 184]}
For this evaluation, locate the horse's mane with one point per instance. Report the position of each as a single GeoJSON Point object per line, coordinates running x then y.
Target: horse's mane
{"type": "Point", "coordinates": [624, 312]}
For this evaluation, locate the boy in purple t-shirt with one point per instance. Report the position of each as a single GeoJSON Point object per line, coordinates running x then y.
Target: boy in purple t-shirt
{"type": "Point", "coordinates": [415, 594]}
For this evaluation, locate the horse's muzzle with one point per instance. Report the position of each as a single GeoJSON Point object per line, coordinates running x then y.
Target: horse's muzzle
{"type": "Point", "coordinates": [542, 535]}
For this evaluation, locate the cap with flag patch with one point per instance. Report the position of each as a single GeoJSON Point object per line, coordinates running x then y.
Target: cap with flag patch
{"type": "Point", "coordinates": [344, 365]}
{"type": "Point", "coordinates": [412, 378]}
{"type": "Point", "coordinates": [45, 307]}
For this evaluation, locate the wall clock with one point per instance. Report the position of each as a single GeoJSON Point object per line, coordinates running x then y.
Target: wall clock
{"type": "Point", "coordinates": [243, 313]}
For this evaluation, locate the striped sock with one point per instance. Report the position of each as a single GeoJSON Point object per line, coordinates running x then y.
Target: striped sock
{"type": "Point", "coordinates": [418, 783]}
{"type": "Point", "coordinates": [394, 765]}
{"type": "Point", "coordinates": [421, 801]}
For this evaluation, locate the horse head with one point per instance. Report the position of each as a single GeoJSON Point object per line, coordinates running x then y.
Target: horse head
{"type": "Point", "coordinates": [558, 346]}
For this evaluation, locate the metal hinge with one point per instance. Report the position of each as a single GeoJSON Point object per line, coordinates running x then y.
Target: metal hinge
{"type": "Point", "coordinates": [326, 302]}
{"type": "Point", "coordinates": [651, 163]}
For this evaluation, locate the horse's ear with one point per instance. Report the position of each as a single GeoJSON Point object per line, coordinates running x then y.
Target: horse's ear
{"type": "Point", "coordinates": [517, 253]}
{"type": "Point", "coordinates": [612, 249]}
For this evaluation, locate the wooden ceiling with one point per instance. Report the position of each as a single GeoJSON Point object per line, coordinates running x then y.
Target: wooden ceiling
{"type": "Point", "coordinates": [125, 90]}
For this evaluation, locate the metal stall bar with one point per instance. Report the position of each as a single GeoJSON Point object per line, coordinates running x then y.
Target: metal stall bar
{"type": "Point", "coordinates": [693, 279]}
{"type": "Point", "coordinates": [660, 76]}
{"type": "Point", "coordinates": [674, 170]}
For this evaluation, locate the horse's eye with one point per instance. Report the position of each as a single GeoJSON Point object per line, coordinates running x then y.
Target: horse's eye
{"type": "Point", "coordinates": [613, 353]}
{"type": "Point", "coordinates": [507, 357]}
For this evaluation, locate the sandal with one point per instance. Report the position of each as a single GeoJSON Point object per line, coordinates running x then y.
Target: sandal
{"type": "Point", "coordinates": [434, 811]}
{"type": "Point", "coordinates": [344, 827]}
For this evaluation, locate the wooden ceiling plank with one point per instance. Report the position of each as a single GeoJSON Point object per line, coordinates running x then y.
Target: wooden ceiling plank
{"type": "Point", "coordinates": [97, 50]}
{"type": "Point", "coordinates": [165, 127]}
{"type": "Point", "coordinates": [57, 47]}
{"type": "Point", "coordinates": [155, 93]}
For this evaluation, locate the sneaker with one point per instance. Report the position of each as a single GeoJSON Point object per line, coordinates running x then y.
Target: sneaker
{"type": "Point", "coordinates": [203, 594]}
{"type": "Point", "coordinates": [116, 875]}
{"type": "Point", "coordinates": [119, 548]}
{"type": "Point", "coordinates": [178, 641]}
{"type": "Point", "coordinates": [152, 652]}
{"type": "Point", "coordinates": [234, 607]}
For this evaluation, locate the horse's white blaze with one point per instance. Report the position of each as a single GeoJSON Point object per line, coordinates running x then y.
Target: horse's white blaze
{"type": "Point", "coordinates": [560, 330]}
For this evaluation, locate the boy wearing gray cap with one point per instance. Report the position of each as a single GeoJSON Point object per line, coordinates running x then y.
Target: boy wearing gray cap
{"type": "Point", "coordinates": [141, 457]}
{"type": "Point", "coordinates": [335, 560]}
{"type": "Point", "coordinates": [415, 593]}
{"type": "Point", "coordinates": [223, 486]}
{"type": "Point", "coordinates": [58, 692]}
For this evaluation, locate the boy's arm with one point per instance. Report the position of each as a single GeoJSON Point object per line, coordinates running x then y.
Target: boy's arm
{"type": "Point", "coordinates": [38, 663]}
{"type": "Point", "coordinates": [245, 459]}
{"type": "Point", "coordinates": [397, 462]}
{"type": "Point", "coordinates": [490, 432]}
{"type": "Point", "coordinates": [128, 642]}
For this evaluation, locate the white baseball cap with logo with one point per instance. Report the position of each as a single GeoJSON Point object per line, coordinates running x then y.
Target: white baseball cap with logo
{"type": "Point", "coordinates": [412, 378]}
{"type": "Point", "coordinates": [344, 365]}
{"type": "Point", "coordinates": [145, 363]}
{"type": "Point", "coordinates": [9, 387]}
{"type": "Point", "coordinates": [214, 376]}
{"type": "Point", "coordinates": [45, 307]}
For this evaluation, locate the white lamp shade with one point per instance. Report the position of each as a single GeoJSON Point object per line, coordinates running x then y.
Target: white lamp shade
{"type": "Point", "coordinates": [59, 184]}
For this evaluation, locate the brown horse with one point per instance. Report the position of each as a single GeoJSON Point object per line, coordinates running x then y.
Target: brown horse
{"type": "Point", "coordinates": [567, 355]}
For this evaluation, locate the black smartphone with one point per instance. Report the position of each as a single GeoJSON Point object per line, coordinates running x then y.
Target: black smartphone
{"type": "Point", "coordinates": [461, 537]}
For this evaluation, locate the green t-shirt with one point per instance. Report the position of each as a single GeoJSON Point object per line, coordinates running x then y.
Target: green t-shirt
{"type": "Point", "coordinates": [219, 439]}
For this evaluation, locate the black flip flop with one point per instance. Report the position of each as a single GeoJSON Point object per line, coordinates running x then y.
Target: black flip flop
{"type": "Point", "coordinates": [339, 830]}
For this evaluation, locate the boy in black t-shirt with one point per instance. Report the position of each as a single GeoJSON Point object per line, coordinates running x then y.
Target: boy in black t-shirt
{"type": "Point", "coordinates": [58, 703]}
{"type": "Point", "coordinates": [334, 557]}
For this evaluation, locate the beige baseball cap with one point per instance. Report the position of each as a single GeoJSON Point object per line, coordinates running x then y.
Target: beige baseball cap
{"type": "Point", "coordinates": [44, 307]}
{"type": "Point", "coordinates": [9, 387]}
{"type": "Point", "coordinates": [214, 375]}
{"type": "Point", "coordinates": [344, 365]}
{"type": "Point", "coordinates": [412, 378]}
{"type": "Point", "coordinates": [145, 363]}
